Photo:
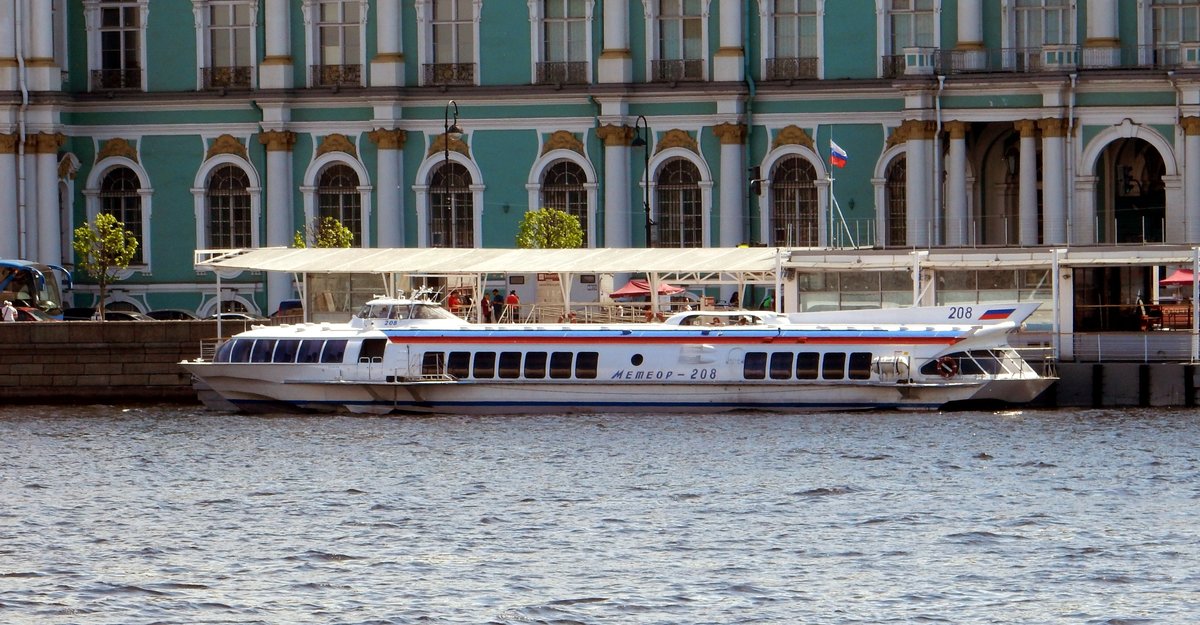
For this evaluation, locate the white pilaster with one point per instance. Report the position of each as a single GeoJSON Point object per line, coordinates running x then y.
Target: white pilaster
{"type": "Point", "coordinates": [729, 62]}
{"type": "Point", "coordinates": [279, 208]}
{"type": "Point", "coordinates": [618, 205]}
{"type": "Point", "coordinates": [1054, 181]}
{"type": "Point", "coordinates": [31, 236]}
{"type": "Point", "coordinates": [275, 71]}
{"type": "Point", "coordinates": [1102, 40]}
{"type": "Point", "coordinates": [390, 232]}
{"type": "Point", "coordinates": [970, 24]}
{"type": "Point", "coordinates": [957, 216]}
{"type": "Point", "coordinates": [918, 186]}
{"type": "Point", "coordinates": [733, 193]}
{"type": "Point", "coordinates": [10, 246]}
{"type": "Point", "coordinates": [1027, 217]}
{"type": "Point", "coordinates": [616, 60]}
{"type": "Point", "coordinates": [49, 219]}
{"type": "Point", "coordinates": [8, 48]}
{"type": "Point", "coordinates": [1191, 179]}
{"type": "Point", "coordinates": [387, 68]}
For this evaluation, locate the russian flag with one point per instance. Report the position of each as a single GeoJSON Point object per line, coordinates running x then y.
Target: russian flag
{"type": "Point", "coordinates": [837, 156]}
{"type": "Point", "coordinates": [997, 313]}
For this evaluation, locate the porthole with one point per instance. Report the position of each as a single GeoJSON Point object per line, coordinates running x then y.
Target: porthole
{"type": "Point", "coordinates": [636, 360]}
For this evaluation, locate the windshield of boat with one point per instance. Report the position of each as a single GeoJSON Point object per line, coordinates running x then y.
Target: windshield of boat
{"type": "Point", "coordinates": [404, 310]}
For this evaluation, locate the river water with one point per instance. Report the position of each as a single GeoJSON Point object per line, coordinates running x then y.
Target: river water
{"type": "Point", "coordinates": [169, 514]}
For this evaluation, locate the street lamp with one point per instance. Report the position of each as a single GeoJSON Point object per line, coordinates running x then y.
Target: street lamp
{"type": "Point", "coordinates": [450, 131]}
{"type": "Point", "coordinates": [643, 130]}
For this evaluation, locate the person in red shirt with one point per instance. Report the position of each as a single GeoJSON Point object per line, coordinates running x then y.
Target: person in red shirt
{"type": "Point", "coordinates": [513, 303]}
{"type": "Point", "coordinates": [453, 303]}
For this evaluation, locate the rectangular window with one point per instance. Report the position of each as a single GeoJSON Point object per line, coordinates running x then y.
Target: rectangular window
{"type": "Point", "coordinates": [586, 364]}
{"type": "Point", "coordinates": [564, 43]}
{"type": "Point", "coordinates": [807, 364]}
{"type": "Point", "coordinates": [339, 46]}
{"type": "Point", "coordinates": [535, 365]}
{"type": "Point", "coordinates": [453, 34]}
{"type": "Point", "coordinates": [310, 351]}
{"type": "Point", "coordinates": [286, 350]}
{"type": "Point", "coordinates": [560, 365]}
{"type": "Point", "coordinates": [459, 365]}
{"type": "Point", "coordinates": [795, 42]}
{"type": "Point", "coordinates": [230, 29]}
{"type": "Point", "coordinates": [1175, 22]}
{"type": "Point", "coordinates": [755, 366]}
{"type": "Point", "coordinates": [334, 352]}
{"type": "Point", "coordinates": [433, 363]}
{"type": "Point", "coordinates": [241, 350]}
{"type": "Point", "coordinates": [912, 24]}
{"type": "Point", "coordinates": [781, 366]}
{"type": "Point", "coordinates": [485, 365]}
{"type": "Point", "coordinates": [860, 366]}
{"type": "Point", "coordinates": [120, 46]}
{"type": "Point", "coordinates": [262, 350]}
{"type": "Point", "coordinates": [510, 365]}
{"type": "Point", "coordinates": [833, 366]}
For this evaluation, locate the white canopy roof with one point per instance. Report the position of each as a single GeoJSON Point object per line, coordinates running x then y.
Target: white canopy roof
{"type": "Point", "coordinates": [708, 261]}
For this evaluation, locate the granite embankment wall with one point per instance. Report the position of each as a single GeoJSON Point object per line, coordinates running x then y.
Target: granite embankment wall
{"type": "Point", "coordinates": [132, 361]}
{"type": "Point", "coordinates": [89, 361]}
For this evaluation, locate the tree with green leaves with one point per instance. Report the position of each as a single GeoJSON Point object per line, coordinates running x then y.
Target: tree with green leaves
{"type": "Point", "coordinates": [549, 228]}
{"type": "Point", "coordinates": [103, 249]}
{"type": "Point", "coordinates": [328, 232]}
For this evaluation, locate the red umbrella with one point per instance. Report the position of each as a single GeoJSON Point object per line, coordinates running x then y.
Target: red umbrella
{"type": "Point", "coordinates": [641, 287]}
{"type": "Point", "coordinates": [1177, 277]}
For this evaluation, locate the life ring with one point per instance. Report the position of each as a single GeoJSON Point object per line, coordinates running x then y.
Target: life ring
{"type": "Point", "coordinates": [947, 366]}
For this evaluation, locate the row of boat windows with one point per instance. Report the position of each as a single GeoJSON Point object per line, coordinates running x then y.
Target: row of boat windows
{"type": "Point", "coordinates": [282, 350]}
{"type": "Point", "coordinates": [512, 365]}
{"type": "Point", "coordinates": [807, 366]}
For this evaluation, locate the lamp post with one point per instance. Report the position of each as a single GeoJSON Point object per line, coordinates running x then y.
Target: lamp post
{"type": "Point", "coordinates": [643, 130]}
{"type": "Point", "coordinates": [450, 131]}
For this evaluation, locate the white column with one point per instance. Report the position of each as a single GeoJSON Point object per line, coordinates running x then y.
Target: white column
{"type": "Point", "coordinates": [275, 71]}
{"type": "Point", "coordinates": [616, 60]}
{"type": "Point", "coordinates": [957, 216]}
{"type": "Point", "coordinates": [1054, 181]}
{"type": "Point", "coordinates": [10, 245]}
{"type": "Point", "coordinates": [1102, 43]}
{"type": "Point", "coordinates": [1083, 217]}
{"type": "Point", "coordinates": [390, 231]}
{"type": "Point", "coordinates": [8, 47]}
{"type": "Point", "coordinates": [733, 184]}
{"type": "Point", "coordinates": [279, 207]}
{"type": "Point", "coordinates": [918, 184]}
{"type": "Point", "coordinates": [618, 203]}
{"type": "Point", "coordinates": [1191, 179]}
{"type": "Point", "coordinates": [387, 68]}
{"type": "Point", "coordinates": [40, 25]}
{"type": "Point", "coordinates": [728, 63]}
{"type": "Point", "coordinates": [1027, 217]}
{"type": "Point", "coordinates": [49, 231]}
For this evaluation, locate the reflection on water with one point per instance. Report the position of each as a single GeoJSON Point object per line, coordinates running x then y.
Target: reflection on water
{"type": "Point", "coordinates": [175, 515]}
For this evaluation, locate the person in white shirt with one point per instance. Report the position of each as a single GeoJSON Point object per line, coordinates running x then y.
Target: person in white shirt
{"type": "Point", "coordinates": [7, 312]}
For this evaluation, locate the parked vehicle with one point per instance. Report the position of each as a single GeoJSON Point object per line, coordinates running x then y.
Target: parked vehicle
{"type": "Point", "coordinates": [89, 314]}
{"type": "Point", "coordinates": [238, 316]}
{"type": "Point", "coordinates": [171, 314]}
{"type": "Point", "coordinates": [26, 313]}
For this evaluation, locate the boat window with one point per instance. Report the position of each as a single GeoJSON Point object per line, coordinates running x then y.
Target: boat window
{"type": "Point", "coordinates": [460, 364]}
{"type": "Point", "coordinates": [585, 365]}
{"type": "Point", "coordinates": [241, 350]}
{"type": "Point", "coordinates": [985, 361]}
{"type": "Point", "coordinates": [510, 365]}
{"type": "Point", "coordinates": [335, 351]}
{"type": "Point", "coordinates": [262, 350]}
{"type": "Point", "coordinates": [433, 363]}
{"type": "Point", "coordinates": [431, 311]}
{"type": "Point", "coordinates": [310, 350]}
{"type": "Point", "coordinates": [755, 367]}
{"type": "Point", "coordinates": [285, 350]}
{"type": "Point", "coordinates": [781, 366]}
{"type": "Point", "coordinates": [224, 351]}
{"type": "Point", "coordinates": [860, 366]}
{"type": "Point", "coordinates": [535, 365]}
{"type": "Point", "coordinates": [372, 349]}
{"type": "Point", "coordinates": [560, 365]}
{"type": "Point", "coordinates": [806, 365]}
{"type": "Point", "coordinates": [485, 365]}
{"type": "Point", "coordinates": [834, 366]}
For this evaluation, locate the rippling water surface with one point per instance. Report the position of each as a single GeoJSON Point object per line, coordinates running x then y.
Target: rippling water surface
{"type": "Point", "coordinates": [112, 515]}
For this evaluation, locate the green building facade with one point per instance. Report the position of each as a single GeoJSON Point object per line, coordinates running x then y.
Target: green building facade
{"type": "Point", "coordinates": [214, 124]}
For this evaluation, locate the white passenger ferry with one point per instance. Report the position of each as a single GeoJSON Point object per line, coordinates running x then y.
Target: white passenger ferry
{"type": "Point", "coordinates": [411, 355]}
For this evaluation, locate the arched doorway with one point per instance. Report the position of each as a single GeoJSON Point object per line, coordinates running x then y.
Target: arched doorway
{"type": "Point", "coordinates": [1131, 197]}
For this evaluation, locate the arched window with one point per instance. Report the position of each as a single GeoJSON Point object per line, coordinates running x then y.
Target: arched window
{"type": "Point", "coordinates": [338, 197]}
{"type": "Point", "coordinates": [680, 219]}
{"type": "Point", "coordinates": [119, 197]}
{"type": "Point", "coordinates": [452, 222]}
{"type": "Point", "coordinates": [897, 203]}
{"type": "Point", "coordinates": [794, 203]}
{"type": "Point", "coordinates": [562, 188]}
{"type": "Point", "coordinates": [229, 208]}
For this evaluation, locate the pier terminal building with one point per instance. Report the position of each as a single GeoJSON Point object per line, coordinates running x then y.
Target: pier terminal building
{"type": "Point", "coordinates": [1023, 130]}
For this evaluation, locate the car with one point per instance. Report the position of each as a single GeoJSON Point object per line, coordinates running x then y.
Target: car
{"type": "Point", "coordinates": [25, 313]}
{"type": "Point", "coordinates": [78, 314]}
{"type": "Point", "coordinates": [171, 314]}
{"type": "Point", "coordinates": [125, 315]}
{"type": "Point", "coordinates": [237, 316]}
